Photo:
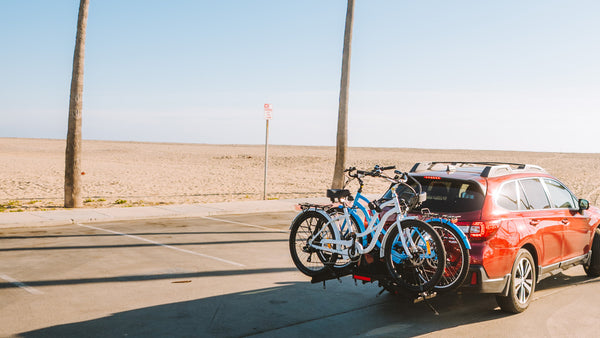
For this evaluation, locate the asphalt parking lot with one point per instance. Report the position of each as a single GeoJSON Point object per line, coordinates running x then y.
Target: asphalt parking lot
{"type": "Point", "coordinates": [231, 276]}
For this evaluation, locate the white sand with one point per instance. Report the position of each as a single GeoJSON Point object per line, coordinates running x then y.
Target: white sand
{"type": "Point", "coordinates": [32, 171]}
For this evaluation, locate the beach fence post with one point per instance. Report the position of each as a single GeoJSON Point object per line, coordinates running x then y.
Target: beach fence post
{"type": "Point", "coordinates": [268, 116]}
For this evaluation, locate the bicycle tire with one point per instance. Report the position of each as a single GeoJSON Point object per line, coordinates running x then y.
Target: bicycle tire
{"type": "Point", "coordinates": [303, 228]}
{"type": "Point", "coordinates": [422, 272]}
{"type": "Point", "coordinates": [457, 258]}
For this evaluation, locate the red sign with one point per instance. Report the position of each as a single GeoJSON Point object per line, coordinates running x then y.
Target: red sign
{"type": "Point", "coordinates": [268, 111]}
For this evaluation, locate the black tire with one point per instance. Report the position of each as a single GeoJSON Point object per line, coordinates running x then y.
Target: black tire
{"type": "Point", "coordinates": [308, 260]}
{"type": "Point", "coordinates": [521, 286]}
{"type": "Point", "coordinates": [457, 258]}
{"type": "Point", "coordinates": [420, 273]}
{"type": "Point", "coordinates": [593, 268]}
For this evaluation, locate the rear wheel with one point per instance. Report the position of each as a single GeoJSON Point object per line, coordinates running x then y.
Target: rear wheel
{"type": "Point", "coordinates": [457, 257]}
{"type": "Point", "coordinates": [522, 284]}
{"type": "Point", "coordinates": [421, 268]}
{"type": "Point", "coordinates": [593, 268]}
{"type": "Point", "coordinates": [309, 260]}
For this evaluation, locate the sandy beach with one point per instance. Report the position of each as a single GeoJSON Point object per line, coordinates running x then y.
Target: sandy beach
{"type": "Point", "coordinates": [123, 174]}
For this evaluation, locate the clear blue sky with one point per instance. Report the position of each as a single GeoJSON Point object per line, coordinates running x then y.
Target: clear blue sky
{"type": "Point", "coordinates": [516, 75]}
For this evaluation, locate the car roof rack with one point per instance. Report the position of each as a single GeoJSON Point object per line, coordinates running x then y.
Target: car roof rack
{"type": "Point", "coordinates": [485, 169]}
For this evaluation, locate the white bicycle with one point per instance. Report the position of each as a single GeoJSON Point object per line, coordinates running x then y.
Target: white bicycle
{"type": "Point", "coordinates": [413, 251]}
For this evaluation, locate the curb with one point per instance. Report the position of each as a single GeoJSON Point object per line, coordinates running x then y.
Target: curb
{"type": "Point", "coordinates": [95, 215]}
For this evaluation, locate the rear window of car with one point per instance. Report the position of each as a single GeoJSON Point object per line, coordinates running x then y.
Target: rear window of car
{"type": "Point", "coordinates": [452, 196]}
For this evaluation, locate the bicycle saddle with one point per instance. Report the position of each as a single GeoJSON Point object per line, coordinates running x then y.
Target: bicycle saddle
{"type": "Point", "coordinates": [337, 193]}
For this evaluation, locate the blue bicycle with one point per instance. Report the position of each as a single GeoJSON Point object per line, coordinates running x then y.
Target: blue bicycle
{"type": "Point", "coordinates": [456, 244]}
{"type": "Point", "coordinates": [330, 241]}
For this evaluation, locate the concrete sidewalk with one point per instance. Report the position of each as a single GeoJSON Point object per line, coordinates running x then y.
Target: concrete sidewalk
{"type": "Point", "coordinates": [90, 215]}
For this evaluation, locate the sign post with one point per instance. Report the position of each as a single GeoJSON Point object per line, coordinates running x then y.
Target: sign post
{"type": "Point", "coordinates": [268, 115]}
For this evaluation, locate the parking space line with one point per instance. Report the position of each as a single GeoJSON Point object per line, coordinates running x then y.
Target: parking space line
{"type": "Point", "coordinates": [245, 224]}
{"type": "Point", "coordinates": [163, 245]}
{"type": "Point", "coordinates": [21, 285]}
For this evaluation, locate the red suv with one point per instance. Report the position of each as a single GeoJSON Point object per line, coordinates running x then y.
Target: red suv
{"type": "Point", "coordinates": [523, 224]}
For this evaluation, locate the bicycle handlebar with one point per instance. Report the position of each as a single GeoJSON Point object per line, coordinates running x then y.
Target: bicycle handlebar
{"type": "Point", "coordinates": [400, 178]}
{"type": "Point", "coordinates": [375, 172]}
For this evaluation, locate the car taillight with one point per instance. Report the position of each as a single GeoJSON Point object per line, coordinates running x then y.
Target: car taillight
{"type": "Point", "coordinates": [479, 229]}
{"type": "Point", "coordinates": [474, 278]}
{"type": "Point", "coordinates": [362, 278]}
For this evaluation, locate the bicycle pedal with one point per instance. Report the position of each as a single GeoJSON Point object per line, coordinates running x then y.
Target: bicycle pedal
{"type": "Point", "coordinates": [424, 296]}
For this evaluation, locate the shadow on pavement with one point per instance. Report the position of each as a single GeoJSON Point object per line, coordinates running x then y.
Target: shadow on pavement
{"type": "Point", "coordinates": [561, 280]}
{"type": "Point", "coordinates": [290, 309]}
{"type": "Point", "coordinates": [297, 309]}
{"type": "Point", "coordinates": [136, 278]}
{"type": "Point", "coordinates": [141, 245]}
{"type": "Point", "coordinates": [257, 232]}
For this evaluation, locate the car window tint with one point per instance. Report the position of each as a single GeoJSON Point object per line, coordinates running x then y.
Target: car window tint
{"type": "Point", "coordinates": [523, 202]}
{"type": "Point", "coordinates": [463, 189]}
{"type": "Point", "coordinates": [445, 195]}
{"type": "Point", "coordinates": [560, 196]}
{"type": "Point", "coordinates": [507, 198]}
{"type": "Point", "coordinates": [536, 195]}
{"type": "Point", "coordinates": [438, 190]}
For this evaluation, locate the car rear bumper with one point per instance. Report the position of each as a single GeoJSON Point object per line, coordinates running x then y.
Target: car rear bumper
{"type": "Point", "coordinates": [479, 281]}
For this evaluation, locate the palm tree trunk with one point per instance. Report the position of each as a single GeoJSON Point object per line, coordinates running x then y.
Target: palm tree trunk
{"type": "Point", "coordinates": [73, 152]}
{"type": "Point", "coordinates": [342, 131]}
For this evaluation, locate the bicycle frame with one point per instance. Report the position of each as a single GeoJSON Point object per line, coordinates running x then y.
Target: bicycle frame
{"type": "Point", "coordinates": [362, 221]}
{"type": "Point", "coordinates": [375, 227]}
{"type": "Point", "coordinates": [350, 212]}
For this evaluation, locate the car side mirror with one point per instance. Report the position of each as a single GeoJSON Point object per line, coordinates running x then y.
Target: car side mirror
{"type": "Point", "coordinates": [583, 205]}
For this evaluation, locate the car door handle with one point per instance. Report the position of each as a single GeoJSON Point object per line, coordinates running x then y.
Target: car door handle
{"type": "Point", "coordinates": [534, 222]}
{"type": "Point", "coordinates": [565, 221]}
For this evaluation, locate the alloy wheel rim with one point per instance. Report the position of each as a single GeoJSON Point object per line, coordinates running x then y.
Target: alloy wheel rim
{"type": "Point", "coordinates": [523, 283]}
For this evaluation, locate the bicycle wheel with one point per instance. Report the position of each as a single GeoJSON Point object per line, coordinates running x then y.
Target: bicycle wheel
{"type": "Point", "coordinates": [457, 257]}
{"type": "Point", "coordinates": [309, 260]}
{"type": "Point", "coordinates": [422, 269]}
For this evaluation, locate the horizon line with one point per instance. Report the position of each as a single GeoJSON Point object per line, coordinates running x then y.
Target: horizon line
{"type": "Point", "coordinates": [300, 145]}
